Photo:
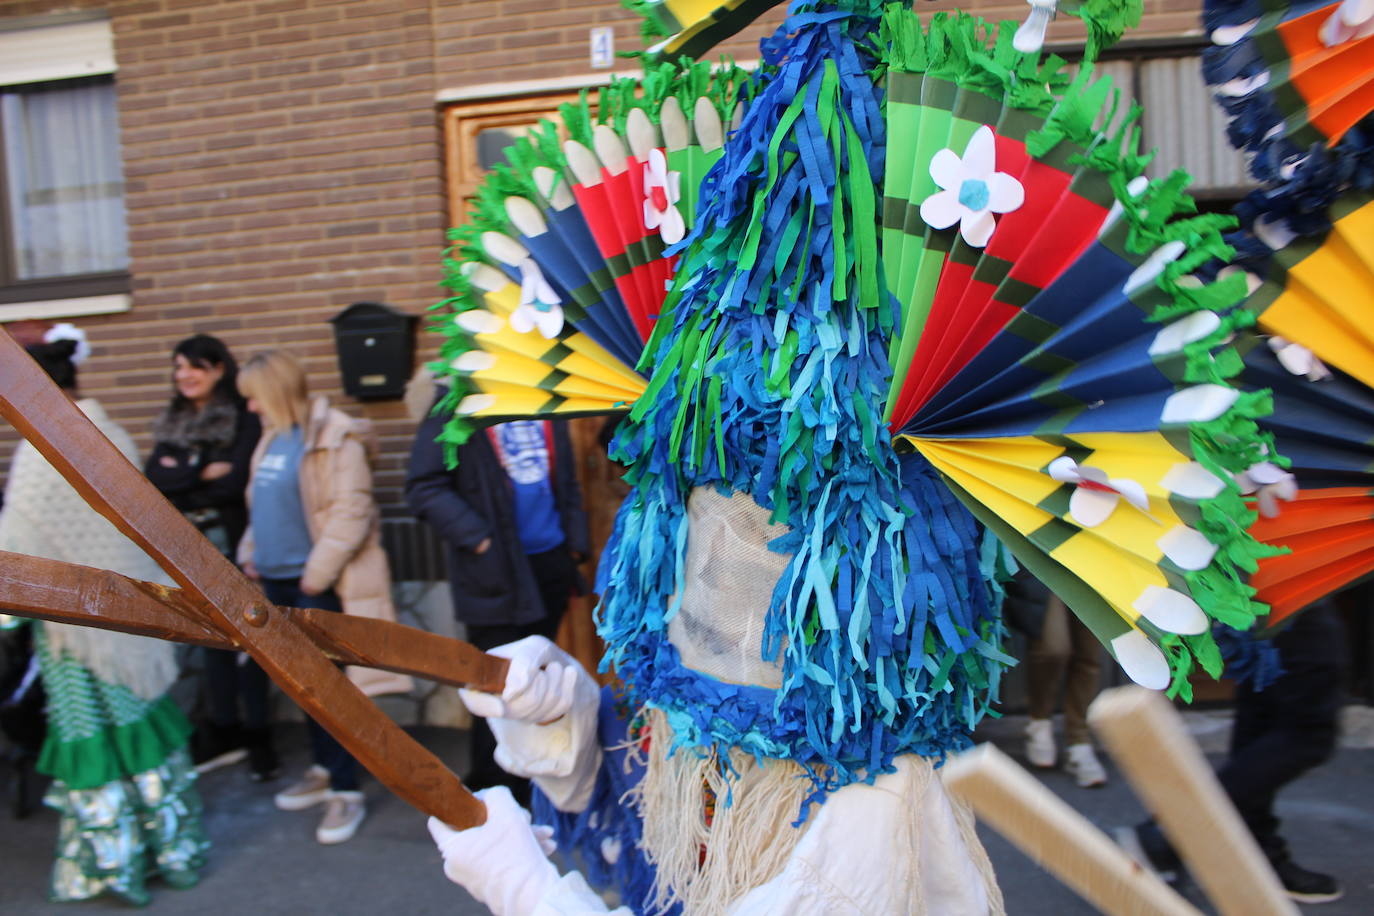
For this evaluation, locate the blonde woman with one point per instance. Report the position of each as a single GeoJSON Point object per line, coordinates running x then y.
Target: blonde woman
{"type": "Point", "coordinates": [313, 540]}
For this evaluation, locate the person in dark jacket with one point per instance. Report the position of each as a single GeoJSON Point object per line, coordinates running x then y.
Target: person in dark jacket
{"type": "Point", "coordinates": [510, 514]}
{"type": "Point", "coordinates": [203, 442]}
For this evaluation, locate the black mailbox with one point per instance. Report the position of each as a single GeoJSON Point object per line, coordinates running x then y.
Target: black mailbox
{"type": "Point", "coordinates": [376, 347]}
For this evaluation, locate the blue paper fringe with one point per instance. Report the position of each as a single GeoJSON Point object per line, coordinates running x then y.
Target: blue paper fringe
{"type": "Point", "coordinates": [771, 373]}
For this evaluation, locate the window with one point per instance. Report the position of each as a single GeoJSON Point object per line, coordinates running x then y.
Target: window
{"type": "Point", "coordinates": [64, 245]}
{"type": "Point", "coordinates": [476, 135]}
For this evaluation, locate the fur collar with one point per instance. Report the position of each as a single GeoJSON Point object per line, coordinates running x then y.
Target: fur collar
{"type": "Point", "coordinates": [214, 426]}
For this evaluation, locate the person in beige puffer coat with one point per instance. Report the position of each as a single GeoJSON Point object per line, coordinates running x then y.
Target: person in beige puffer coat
{"type": "Point", "coordinates": [314, 540]}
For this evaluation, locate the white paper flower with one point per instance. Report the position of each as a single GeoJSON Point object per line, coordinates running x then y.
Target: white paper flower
{"type": "Point", "coordinates": [539, 305]}
{"type": "Point", "coordinates": [1031, 35]}
{"type": "Point", "coordinates": [972, 190]}
{"type": "Point", "coordinates": [1269, 483]}
{"type": "Point", "coordinates": [1095, 495]}
{"type": "Point", "coordinates": [662, 191]}
{"type": "Point", "coordinates": [1298, 360]}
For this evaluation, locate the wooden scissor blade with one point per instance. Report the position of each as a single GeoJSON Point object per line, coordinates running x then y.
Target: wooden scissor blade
{"type": "Point", "coordinates": [221, 595]}
{"type": "Point", "coordinates": [67, 593]}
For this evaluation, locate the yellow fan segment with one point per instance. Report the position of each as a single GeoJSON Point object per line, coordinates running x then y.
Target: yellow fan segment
{"type": "Point", "coordinates": [517, 373]}
{"type": "Point", "coordinates": [1325, 302]}
{"type": "Point", "coordinates": [1124, 557]}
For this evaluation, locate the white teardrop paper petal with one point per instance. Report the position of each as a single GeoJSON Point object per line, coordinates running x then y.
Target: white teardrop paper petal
{"type": "Point", "coordinates": [1192, 481]}
{"type": "Point", "coordinates": [1005, 193]}
{"type": "Point", "coordinates": [980, 156]}
{"type": "Point", "coordinates": [942, 209]}
{"type": "Point", "coordinates": [485, 277]}
{"type": "Point", "coordinates": [1064, 469]}
{"type": "Point", "coordinates": [1091, 508]}
{"type": "Point", "coordinates": [1173, 336]}
{"type": "Point", "coordinates": [1154, 265]}
{"type": "Point", "coordinates": [977, 228]}
{"type": "Point", "coordinates": [1198, 404]}
{"type": "Point", "coordinates": [522, 319]}
{"type": "Point", "coordinates": [947, 170]}
{"type": "Point", "coordinates": [479, 321]}
{"type": "Point", "coordinates": [474, 403]}
{"type": "Point", "coordinates": [474, 361]}
{"type": "Point", "coordinates": [673, 228]}
{"type": "Point", "coordinates": [525, 217]}
{"type": "Point", "coordinates": [1142, 662]}
{"type": "Point", "coordinates": [1188, 549]}
{"type": "Point", "coordinates": [554, 187]}
{"type": "Point", "coordinates": [504, 248]}
{"type": "Point", "coordinates": [1230, 34]}
{"type": "Point", "coordinates": [1171, 611]}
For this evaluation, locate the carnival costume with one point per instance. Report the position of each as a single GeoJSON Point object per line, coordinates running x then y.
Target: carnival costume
{"type": "Point", "coordinates": [116, 745]}
{"type": "Point", "coordinates": [898, 302]}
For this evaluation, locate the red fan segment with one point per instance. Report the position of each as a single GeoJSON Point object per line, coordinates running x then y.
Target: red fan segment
{"type": "Point", "coordinates": [1330, 534]}
{"type": "Point", "coordinates": [1031, 246]}
{"type": "Point", "coordinates": [1335, 82]}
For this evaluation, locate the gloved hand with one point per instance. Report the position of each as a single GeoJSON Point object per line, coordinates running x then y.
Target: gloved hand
{"type": "Point", "coordinates": [502, 863]}
{"type": "Point", "coordinates": [540, 685]}
{"type": "Point", "coordinates": [544, 721]}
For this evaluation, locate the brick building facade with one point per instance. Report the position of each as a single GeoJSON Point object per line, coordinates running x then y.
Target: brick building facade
{"type": "Point", "coordinates": [285, 158]}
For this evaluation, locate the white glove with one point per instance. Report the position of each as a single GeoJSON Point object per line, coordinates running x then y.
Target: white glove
{"type": "Point", "coordinates": [502, 863]}
{"type": "Point", "coordinates": [545, 721]}
{"type": "Point", "coordinates": [540, 684]}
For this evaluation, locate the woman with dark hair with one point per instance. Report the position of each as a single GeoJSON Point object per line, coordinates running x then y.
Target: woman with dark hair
{"type": "Point", "coordinates": [203, 442]}
{"type": "Point", "coordinates": [116, 743]}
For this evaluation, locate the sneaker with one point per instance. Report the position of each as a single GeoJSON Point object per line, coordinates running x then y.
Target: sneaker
{"type": "Point", "coordinates": [344, 812]}
{"type": "Point", "coordinates": [1307, 886]}
{"type": "Point", "coordinates": [216, 746]}
{"type": "Point", "coordinates": [1084, 767]}
{"type": "Point", "coordinates": [1040, 750]}
{"type": "Point", "coordinates": [311, 790]}
{"type": "Point", "coordinates": [262, 757]}
{"type": "Point", "coordinates": [1128, 838]}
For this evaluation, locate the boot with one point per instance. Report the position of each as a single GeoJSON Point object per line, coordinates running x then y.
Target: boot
{"type": "Point", "coordinates": [262, 756]}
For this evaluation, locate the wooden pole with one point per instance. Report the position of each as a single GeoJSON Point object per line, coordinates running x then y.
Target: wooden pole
{"type": "Point", "coordinates": [1057, 837]}
{"type": "Point", "coordinates": [1147, 739]}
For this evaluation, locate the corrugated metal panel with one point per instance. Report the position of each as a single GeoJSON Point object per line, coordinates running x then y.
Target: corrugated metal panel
{"type": "Point", "coordinates": [1186, 125]}
{"type": "Point", "coordinates": [56, 52]}
{"type": "Point", "coordinates": [1122, 73]}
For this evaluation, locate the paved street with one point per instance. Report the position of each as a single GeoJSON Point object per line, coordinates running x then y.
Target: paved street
{"type": "Point", "coordinates": [267, 862]}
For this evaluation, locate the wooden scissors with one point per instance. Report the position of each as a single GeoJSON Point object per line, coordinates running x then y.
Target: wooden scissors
{"type": "Point", "coordinates": [217, 605]}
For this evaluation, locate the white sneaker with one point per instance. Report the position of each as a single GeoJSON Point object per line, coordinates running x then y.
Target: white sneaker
{"type": "Point", "coordinates": [310, 790]}
{"type": "Point", "coordinates": [342, 814]}
{"type": "Point", "coordinates": [1084, 767]}
{"type": "Point", "coordinates": [1040, 750]}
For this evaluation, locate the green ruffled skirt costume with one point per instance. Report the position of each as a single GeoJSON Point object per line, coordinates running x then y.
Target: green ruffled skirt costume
{"type": "Point", "coordinates": [123, 784]}
{"type": "Point", "coordinates": [116, 744]}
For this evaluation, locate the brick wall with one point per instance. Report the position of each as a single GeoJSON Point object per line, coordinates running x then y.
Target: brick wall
{"type": "Point", "coordinates": [283, 160]}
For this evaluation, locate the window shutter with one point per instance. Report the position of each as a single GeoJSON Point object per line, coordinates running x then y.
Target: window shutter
{"type": "Point", "coordinates": [55, 52]}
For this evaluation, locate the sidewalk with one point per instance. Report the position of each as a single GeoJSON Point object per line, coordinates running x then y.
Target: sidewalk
{"type": "Point", "coordinates": [267, 862]}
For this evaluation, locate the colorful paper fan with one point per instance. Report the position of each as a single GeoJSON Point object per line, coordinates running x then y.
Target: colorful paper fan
{"type": "Point", "coordinates": [1298, 70]}
{"type": "Point", "coordinates": [1028, 372]}
{"type": "Point", "coordinates": [1323, 423]}
{"type": "Point", "coordinates": [562, 269]}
